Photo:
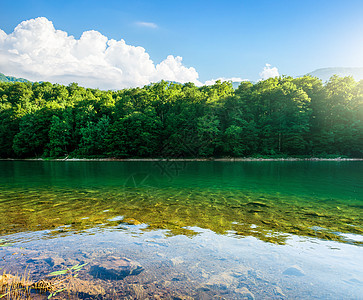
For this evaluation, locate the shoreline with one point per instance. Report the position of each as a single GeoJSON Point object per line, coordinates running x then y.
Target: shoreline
{"type": "Point", "coordinates": [184, 159]}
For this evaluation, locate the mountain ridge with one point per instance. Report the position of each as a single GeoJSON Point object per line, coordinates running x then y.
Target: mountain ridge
{"type": "Point", "coordinates": [325, 73]}
{"type": "Point", "coordinates": [5, 78]}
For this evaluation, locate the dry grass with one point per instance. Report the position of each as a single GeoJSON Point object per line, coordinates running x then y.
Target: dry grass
{"type": "Point", "coordinates": [14, 287]}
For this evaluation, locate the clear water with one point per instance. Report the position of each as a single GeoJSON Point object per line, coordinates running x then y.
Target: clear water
{"type": "Point", "coordinates": [199, 229]}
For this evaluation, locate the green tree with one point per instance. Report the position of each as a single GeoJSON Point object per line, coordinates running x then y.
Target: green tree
{"type": "Point", "coordinates": [93, 137]}
{"type": "Point", "coordinates": [282, 116]}
{"type": "Point", "coordinates": [60, 134]}
{"type": "Point", "coordinates": [208, 128]}
{"type": "Point", "coordinates": [33, 135]}
{"type": "Point", "coordinates": [135, 135]}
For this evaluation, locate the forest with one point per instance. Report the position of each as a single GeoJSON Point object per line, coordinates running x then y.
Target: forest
{"type": "Point", "coordinates": [277, 117]}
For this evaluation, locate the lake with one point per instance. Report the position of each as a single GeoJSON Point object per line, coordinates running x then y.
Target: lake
{"type": "Point", "coordinates": [186, 230]}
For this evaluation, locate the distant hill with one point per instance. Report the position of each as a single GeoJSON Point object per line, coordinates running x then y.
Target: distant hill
{"type": "Point", "coordinates": [235, 84]}
{"type": "Point", "coordinates": [11, 78]}
{"type": "Point", "coordinates": [325, 73]}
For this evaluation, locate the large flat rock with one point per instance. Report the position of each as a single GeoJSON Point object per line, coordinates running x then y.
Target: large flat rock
{"type": "Point", "coordinates": [114, 268]}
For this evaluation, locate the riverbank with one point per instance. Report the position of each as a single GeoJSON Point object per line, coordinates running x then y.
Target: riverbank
{"type": "Point", "coordinates": [224, 159]}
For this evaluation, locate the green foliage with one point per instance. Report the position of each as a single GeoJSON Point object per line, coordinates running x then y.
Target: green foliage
{"type": "Point", "coordinates": [93, 136]}
{"type": "Point", "coordinates": [70, 270]}
{"type": "Point", "coordinates": [278, 116]}
{"type": "Point", "coordinates": [32, 137]}
{"type": "Point", "coordinates": [208, 134]}
{"type": "Point", "coordinates": [59, 135]}
{"type": "Point", "coordinates": [70, 273]}
{"type": "Point", "coordinates": [135, 135]}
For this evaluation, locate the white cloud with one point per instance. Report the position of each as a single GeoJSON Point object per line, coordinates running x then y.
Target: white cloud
{"type": "Point", "coordinates": [37, 51]}
{"type": "Point", "coordinates": [173, 69]}
{"type": "Point", "coordinates": [2, 35]}
{"type": "Point", "coordinates": [269, 72]}
{"type": "Point", "coordinates": [147, 24]}
{"type": "Point", "coordinates": [233, 79]}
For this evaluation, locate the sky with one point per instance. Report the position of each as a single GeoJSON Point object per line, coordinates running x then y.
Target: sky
{"type": "Point", "coordinates": [118, 44]}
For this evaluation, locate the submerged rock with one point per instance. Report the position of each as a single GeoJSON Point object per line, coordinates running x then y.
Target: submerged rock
{"type": "Point", "coordinates": [177, 261]}
{"type": "Point", "coordinates": [55, 261]}
{"type": "Point", "coordinates": [244, 293]}
{"type": "Point", "coordinates": [177, 296]}
{"type": "Point", "coordinates": [130, 221]}
{"type": "Point", "coordinates": [139, 291]}
{"type": "Point", "coordinates": [223, 280]}
{"type": "Point", "coordinates": [52, 261]}
{"type": "Point", "coordinates": [83, 288]}
{"type": "Point", "coordinates": [115, 268]}
{"type": "Point", "coordinates": [294, 271]}
{"type": "Point", "coordinates": [220, 281]}
{"type": "Point", "coordinates": [256, 204]}
{"type": "Point", "coordinates": [278, 291]}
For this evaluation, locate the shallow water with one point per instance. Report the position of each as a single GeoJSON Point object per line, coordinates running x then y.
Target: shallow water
{"type": "Point", "coordinates": [198, 229]}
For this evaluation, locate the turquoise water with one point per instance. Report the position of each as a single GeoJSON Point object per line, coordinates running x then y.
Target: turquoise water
{"type": "Point", "coordinates": [326, 179]}
{"type": "Point", "coordinates": [278, 229]}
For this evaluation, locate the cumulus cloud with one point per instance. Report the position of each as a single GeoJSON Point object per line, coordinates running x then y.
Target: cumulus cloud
{"type": "Point", "coordinates": [173, 69]}
{"type": "Point", "coordinates": [37, 51]}
{"type": "Point", "coordinates": [147, 24]}
{"type": "Point", "coordinates": [233, 79]}
{"type": "Point", "coordinates": [269, 72]}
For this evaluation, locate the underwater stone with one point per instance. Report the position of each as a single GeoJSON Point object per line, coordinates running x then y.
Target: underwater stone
{"type": "Point", "coordinates": [139, 291]}
{"type": "Point", "coordinates": [177, 261]}
{"type": "Point", "coordinates": [130, 221]}
{"type": "Point", "coordinates": [245, 294]}
{"type": "Point", "coordinates": [55, 261]}
{"type": "Point", "coordinates": [221, 281]}
{"type": "Point", "coordinates": [294, 271]}
{"type": "Point", "coordinates": [257, 204]}
{"type": "Point", "coordinates": [278, 291]}
{"type": "Point", "coordinates": [115, 268]}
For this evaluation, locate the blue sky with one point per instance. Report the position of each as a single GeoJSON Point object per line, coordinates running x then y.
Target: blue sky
{"type": "Point", "coordinates": [218, 39]}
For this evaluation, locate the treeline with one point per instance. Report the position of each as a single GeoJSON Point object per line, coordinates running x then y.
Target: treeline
{"type": "Point", "coordinates": [276, 117]}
